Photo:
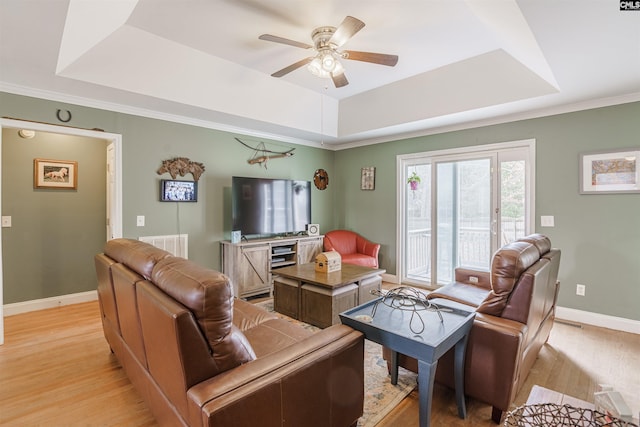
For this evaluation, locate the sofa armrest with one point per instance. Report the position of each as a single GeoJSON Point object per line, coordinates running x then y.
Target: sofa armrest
{"type": "Point", "coordinates": [367, 247]}
{"type": "Point", "coordinates": [326, 367]}
{"type": "Point", "coordinates": [469, 276]}
{"type": "Point", "coordinates": [495, 359]}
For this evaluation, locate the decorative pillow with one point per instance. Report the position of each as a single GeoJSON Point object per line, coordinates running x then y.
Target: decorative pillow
{"type": "Point", "coordinates": [209, 295]}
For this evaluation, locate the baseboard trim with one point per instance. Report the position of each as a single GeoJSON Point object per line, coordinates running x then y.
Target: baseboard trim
{"type": "Point", "coordinates": [391, 278]}
{"type": "Point", "coordinates": [597, 319]}
{"type": "Point", "coordinates": [51, 302]}
{"type": "Point", "coordinates": [564, 313]}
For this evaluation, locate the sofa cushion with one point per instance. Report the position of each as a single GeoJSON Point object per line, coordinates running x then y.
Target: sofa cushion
{"type": "Point", "coordinates": [507, 265]}
{"type": "Point", "coordinates": [360, 259]}
{"type": "Point", "coordinates": [209, 295]}
{"type": "Point", "coordinates": [138, 256]}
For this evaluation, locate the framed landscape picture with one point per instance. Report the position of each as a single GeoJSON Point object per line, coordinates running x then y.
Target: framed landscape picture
{"type": "Point", "coordinates": [610, 172]}
{"type": "Point", "coordinates": [57, 174]}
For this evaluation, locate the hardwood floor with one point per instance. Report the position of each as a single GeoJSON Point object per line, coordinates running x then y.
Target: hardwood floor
{"type": "Point", "coordinates": [56, 370]}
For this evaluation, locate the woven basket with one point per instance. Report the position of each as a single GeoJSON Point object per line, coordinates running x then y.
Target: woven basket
{"type": "Point", "coordinates": [549, 414]}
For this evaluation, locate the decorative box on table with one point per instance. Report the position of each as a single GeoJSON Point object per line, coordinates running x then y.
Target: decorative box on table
{"type": "Point", "coordinates": [328, 262]}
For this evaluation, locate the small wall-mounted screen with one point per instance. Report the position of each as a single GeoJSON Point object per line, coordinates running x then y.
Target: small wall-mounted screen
{"type": "Point", "coordinates": [178, 191]}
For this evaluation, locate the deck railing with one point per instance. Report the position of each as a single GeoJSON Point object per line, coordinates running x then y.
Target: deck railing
{"type": "Point", "coordinates": [473, 249]}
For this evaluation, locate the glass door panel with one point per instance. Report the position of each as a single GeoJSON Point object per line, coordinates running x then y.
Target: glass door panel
{"type": "Point", "coordinates": [512, 200]}
{"type": "Point", "coordinates": [464, 216]}
{"type": "Point", "coordinates": [464, 208]}
{"type": "Point", "coordinates": [417, 259]}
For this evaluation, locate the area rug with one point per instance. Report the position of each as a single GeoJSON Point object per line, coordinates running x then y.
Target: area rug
{"type": "Point", "coordinates": [380, 396]}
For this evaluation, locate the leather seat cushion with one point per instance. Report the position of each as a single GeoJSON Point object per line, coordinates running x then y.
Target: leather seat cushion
{"type": "Point", "coordinates": [274, 335]}
{"type": "Point", "coordinates": [209, 295]}
{"type": "Point", "coordinates": [463, 293]}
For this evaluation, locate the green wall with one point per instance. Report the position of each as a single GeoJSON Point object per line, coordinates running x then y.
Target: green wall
{"type": "Point", "coordinates": [599, 235]}
{"type": "Point", "coordinates": [145, 143]}
{"type": "Point", "coordinates": [54, 232]}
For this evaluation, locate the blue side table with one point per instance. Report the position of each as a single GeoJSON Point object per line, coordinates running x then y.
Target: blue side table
{"type": "Point", "coordinates": [423, 335]}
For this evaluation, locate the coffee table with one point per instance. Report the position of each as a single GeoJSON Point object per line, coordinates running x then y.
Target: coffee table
{"type": "Point", "coordinates": [397, 330]}
{"type": "Point", "coordinates": [299, 291]}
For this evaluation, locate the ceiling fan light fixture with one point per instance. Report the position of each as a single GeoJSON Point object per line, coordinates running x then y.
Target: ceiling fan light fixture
{"type": "Point", "coordinates": [315, 67]}
{"type": "Point", "coordinates": [324, 64]}
{"type": "Point", "coordinates": [328, 62]}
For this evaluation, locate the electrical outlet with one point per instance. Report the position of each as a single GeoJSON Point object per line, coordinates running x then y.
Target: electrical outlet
{"type": "Point", "coordinates": [580, 289]}
{"type": "Point", "coordinates": [6, 221]}
{"type": "Point", "coordinates": [140, 221]}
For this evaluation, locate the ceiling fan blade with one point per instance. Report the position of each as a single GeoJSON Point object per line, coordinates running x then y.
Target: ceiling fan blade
{"type": "Point", "coordinates": [271, 38]}
{"type": "Point", "coordinates": [375, 58]}
{"type": "Point", "coordinates": [339, 79]}
{"type": "Point", "coordinates": [346, 30]}
{"type": "Point", "coordinates": [292, 67]}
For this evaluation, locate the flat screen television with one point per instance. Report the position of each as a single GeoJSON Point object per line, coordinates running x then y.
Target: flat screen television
{"type": "Point", "coordinates": [172, 190]}
{"type": "Point", "coordinates": [262, 206]}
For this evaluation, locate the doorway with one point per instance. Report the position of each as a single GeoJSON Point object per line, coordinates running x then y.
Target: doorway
{"type": "Point", "coordinates": [113, 181]}
{"type": "Point", "coordinates": [457, 207]}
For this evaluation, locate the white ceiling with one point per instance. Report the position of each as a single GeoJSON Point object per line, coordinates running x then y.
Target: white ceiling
{"type": "Point", "coordinates": [461, 63]}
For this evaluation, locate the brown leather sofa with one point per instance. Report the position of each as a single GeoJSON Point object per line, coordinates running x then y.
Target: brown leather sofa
{"type": "Point", "coordinates": [515, 308]}
{"type": "Point", "coordinates": [200, 357]}
{"type": "Point", "coordinates": [352, 247]}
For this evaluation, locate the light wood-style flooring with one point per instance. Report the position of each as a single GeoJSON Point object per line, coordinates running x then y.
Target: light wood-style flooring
{"type": "Point", "coordinates": [56, 370]}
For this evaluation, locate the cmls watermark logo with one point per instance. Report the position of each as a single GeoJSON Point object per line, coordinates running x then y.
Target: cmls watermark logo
{"type": "Point", "coordinates": [630, 5]}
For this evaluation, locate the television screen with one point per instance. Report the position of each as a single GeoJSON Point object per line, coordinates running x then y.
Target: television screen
{"type": "Point", "coordinates": [178, 191]}
{"type": "Point", "coordinates": [270, 206]}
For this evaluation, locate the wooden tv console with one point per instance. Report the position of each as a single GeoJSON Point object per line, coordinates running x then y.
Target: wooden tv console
{"type": "Point", "coordinates": [252, 264]}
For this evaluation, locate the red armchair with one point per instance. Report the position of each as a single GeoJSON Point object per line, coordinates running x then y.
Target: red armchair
{"type": "Point", "coordinates": [352, 247]}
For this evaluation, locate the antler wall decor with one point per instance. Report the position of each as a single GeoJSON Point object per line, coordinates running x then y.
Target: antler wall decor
{"type": "Point", "coordinates": [181, 166]}
{"type": "Point", "coordinates": [261, 154]}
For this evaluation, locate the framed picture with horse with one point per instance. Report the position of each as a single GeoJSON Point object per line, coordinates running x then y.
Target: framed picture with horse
{"type": "Point", "coordinates": [56, 174]}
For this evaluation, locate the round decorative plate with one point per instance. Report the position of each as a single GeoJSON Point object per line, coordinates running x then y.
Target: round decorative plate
{"type": "Point", "coordinates": [321, 179]}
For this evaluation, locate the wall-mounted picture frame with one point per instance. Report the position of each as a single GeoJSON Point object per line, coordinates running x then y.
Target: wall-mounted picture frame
{"type": "Point", "coordinates": [368, 178]}
{"type": "Point", "coordinates": [607, 172]}
{"type": "Point", "coordinates": [55, 174]}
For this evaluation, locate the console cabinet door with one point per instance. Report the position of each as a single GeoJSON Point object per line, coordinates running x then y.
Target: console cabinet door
{"type": "Point", "coordinates": [308, 249]}
{"type": "Point", "coordinates": [251, 270]}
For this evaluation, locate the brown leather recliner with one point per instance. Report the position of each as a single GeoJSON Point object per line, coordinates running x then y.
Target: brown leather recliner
{"type": "Point", "coordinates": [352, 247]}
{"type": "Point", "coordinates": [200, 357]}
{"type": "Point", "coordinates": [515, 308]}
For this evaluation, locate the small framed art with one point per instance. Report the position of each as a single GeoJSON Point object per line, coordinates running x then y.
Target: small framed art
{"type": "Point", "coordinates": [368, 178]}
{"type": "Point", "coordinates": [57, 174]}
{"type": "Point", "coordinates": [610, 172]}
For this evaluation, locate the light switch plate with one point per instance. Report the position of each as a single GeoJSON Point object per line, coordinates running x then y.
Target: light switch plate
{"type": "Point", "coordinates": [6, 221]}
{"type": "Point", "coordinates": [546, 221]}
{"type": "Point", "coordinates": [140, 220]}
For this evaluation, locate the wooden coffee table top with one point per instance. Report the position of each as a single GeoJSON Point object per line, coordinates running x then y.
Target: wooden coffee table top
{"type": "Point", "coordinates": [348, 274]}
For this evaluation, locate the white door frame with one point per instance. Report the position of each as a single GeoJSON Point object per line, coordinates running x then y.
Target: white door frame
{"type": "Point", "coordinates": [115, 203]}
{"type": "Point", "coordinates": [401, 182]}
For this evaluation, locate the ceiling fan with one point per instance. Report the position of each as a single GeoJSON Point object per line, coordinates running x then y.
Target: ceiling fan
{"type": "Point", "coordinates": [326, 44]}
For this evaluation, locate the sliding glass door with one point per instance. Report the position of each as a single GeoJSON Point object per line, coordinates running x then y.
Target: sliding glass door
{"type": "Point", "coordinates": [457, 209]}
